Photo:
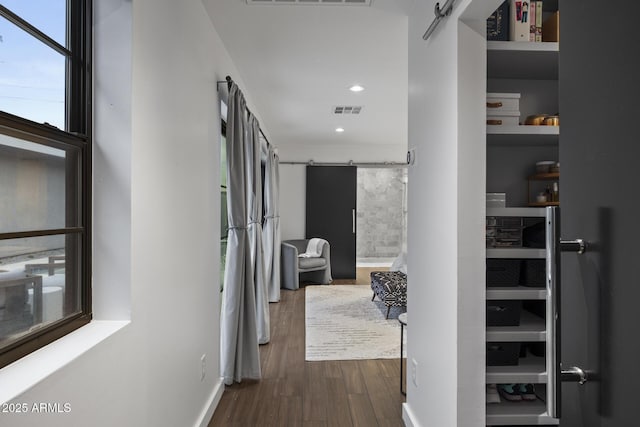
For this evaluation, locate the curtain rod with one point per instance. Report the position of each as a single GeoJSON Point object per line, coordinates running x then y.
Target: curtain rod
{"type": "Point", "coordinates": [440, 14]}
{"type": "Point", "coordinates": [228, 80]}
{"type": "Point", "coordinates": [349, 163]}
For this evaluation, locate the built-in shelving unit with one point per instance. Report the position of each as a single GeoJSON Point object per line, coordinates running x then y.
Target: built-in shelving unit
{"type": "Point", "coordinates": [531, 329]}
{"type": "Point", "coordinates": [531, 70]}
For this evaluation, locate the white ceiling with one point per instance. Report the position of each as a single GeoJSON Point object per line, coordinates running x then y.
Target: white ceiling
{"type": "Point", "coordinates": [298, 61]}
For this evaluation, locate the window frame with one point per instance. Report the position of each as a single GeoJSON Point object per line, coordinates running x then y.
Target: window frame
{"type": "Point", "coordinates": [78, 124]}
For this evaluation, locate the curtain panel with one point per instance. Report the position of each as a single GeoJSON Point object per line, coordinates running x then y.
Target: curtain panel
{"type": "Point", "coordinates": [240, 353]}
{"type": "Point", "coordinates": [254, 203]}
{"type": "Point", "coordinates": [271, 228]}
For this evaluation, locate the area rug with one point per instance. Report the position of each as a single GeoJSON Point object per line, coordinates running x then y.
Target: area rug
{"type": "Point", "coordinates": [342, 323]}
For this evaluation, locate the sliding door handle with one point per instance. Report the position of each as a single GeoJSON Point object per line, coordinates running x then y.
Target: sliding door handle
{"type": "Point", "coordinates": [353, 221]}
{"type": "Point", "coordinates": [576, 245]}
{"type": "Point", "coordinates": [576, 374]}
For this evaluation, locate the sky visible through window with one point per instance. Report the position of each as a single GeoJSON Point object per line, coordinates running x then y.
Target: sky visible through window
{"type": "Point", "coordinates": [32, 75]}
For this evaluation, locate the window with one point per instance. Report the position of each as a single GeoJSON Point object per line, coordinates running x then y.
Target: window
{"type": "Point", "coordinates": [45, 172]}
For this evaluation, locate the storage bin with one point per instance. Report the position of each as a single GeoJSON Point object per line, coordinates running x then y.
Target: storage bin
{"type": "Point", "coordinates": [496, 200]}
{"type": "Point", "coordinates": [500, 102]}
{"type": "Point", "coordinates": [503, 312]}
{"type": "Point", "coordinates": [502, 353]}
{"type": "Point", "coordinates": [503, 118]}
{"type": "Point", "coordinates": [534, 233]}
{"type": "Point", "coordinates": [534, 272]}
{"type": "Point", "coordinates": [503, 272]}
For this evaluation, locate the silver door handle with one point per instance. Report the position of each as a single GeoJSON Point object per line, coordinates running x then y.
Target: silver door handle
{"type": "Point", "coordinates": [353, 220]}
{"type": "Point", "coordinates": [576, 245]}
{"type": "Point", "coordinates": [575, 374]}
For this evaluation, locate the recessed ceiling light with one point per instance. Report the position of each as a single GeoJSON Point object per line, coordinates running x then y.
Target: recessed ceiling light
{"type": "Point", "coordinates": [356, 88]}
{"type": "Point", "coordinates": [339, 130]}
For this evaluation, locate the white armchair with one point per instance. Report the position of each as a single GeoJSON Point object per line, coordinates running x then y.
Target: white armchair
{"type": "Point", "coordinates": [315, 269]}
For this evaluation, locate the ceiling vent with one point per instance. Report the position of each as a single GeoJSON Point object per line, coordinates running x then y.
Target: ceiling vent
{"type": "Point", "coordinates": [347, 109]}
{"type": "Point", "coordinates": [314, 2]}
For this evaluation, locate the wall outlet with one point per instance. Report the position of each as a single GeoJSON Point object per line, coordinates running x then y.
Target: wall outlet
{"type": "Point", "coordinates": [414, 372]}
{"type": "Point", "coordinates": [203, 365]}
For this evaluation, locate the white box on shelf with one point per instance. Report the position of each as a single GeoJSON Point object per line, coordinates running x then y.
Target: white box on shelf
{"type": "Point", "coordinates": [496, 200]}
{"type": "Point", "coordinates": [503, 118]}
{"type": "Point", "coordinates": [503, 102]}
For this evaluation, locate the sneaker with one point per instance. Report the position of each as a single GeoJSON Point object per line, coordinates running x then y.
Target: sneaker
{"type": "Point", "coordinates": [492, 394]}
{"type": "Point", "coordinates": [527, 391]}
{"type": "Point", "coordinates": [509, 392]}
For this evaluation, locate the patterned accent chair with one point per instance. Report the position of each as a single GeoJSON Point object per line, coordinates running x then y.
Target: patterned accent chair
{"type": "Point", "coordinates": [390, 287]}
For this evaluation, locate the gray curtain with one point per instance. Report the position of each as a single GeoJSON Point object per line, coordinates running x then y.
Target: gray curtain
{"type": "Point", "coordinates": [271, 231]}
{"type": "Point", "coordinates": [239, 352]}
{"type": "Point", "coordinates": [254, 203]}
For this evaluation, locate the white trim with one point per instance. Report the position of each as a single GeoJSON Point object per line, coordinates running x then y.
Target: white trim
{"type": "Point", "coordinates": [27, 372]}
{"type": "Point", "coordinates": [214, 400]}
{"type": "Point", "coordinates": [408, 416]}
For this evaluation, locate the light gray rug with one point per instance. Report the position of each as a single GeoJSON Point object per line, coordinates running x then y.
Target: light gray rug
{"type": "Point", "coordinates": [342, 323]}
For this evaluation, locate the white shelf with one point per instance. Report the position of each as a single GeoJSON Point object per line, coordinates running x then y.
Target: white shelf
{"type": "Point", "coordinates": [519, 413]}
{"type": "Point", "coordinates": [522, 130]}
{"type": "Point", "coordinates": [522, 60]}
{"type": "Point", "coordinates": [530, 369]}
{"type": "Point", "coordinates": [519, 211]}
{"type": "Point", "coordinates": [532, 328]}
{"type": "Point", "coordinates": [528, 253]}
{"type": "Point", "coordinates": [516, 292]}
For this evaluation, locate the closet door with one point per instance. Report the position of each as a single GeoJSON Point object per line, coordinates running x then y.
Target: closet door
{"type": "Point", "coordinates": [599, 152]}
{"type": "Point", "coordinates": [331, 214]}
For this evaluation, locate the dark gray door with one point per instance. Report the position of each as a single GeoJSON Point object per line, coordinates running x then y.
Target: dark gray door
{"type": "Point", "coordinates": [331, 205]}
{"type": "Point", "coordinates": [600, 202]}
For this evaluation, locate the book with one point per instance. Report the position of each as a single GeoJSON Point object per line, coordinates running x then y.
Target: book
{"type": "Point", "coordinates": [550, 28]}
{"type": "Point", "coordinates": [498, 23]}
{"type": "Point", "coordinates": [519, 20]}
{"type": "Point", "coordinates": [538, 21]}
{"type": "Point", "coordinates": [532, 21]}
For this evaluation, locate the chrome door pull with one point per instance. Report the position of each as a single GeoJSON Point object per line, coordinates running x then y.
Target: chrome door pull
{"type": "Point", "coordinates": [577, 245]}
{"type": "Point", "coordinates": [575, 374]}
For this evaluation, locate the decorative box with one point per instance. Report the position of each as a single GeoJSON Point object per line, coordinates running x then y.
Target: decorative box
{"type": "Point", "coordinates": [499, 102]}
{"type": "Point", "coordinates": [503, 118]}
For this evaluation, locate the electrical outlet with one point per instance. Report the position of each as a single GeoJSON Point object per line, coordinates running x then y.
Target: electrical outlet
{"type": "Point", "coordinates": [414, 372]}
{"type": "Point", "coordinates": [203, 365]}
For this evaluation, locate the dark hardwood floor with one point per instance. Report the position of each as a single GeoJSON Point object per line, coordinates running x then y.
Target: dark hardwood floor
{"type": "Point", "coordinates": [296, 393]}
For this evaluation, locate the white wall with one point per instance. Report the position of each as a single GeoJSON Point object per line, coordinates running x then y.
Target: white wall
{"type": "Point", "coordinates": [156, 224]}
{"type": "Point", "coordinates": [446, 219]}
{"type": "Point", "coordinates": [293, 184]}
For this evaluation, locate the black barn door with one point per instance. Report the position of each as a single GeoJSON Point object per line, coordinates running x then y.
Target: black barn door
{"type": "Point", "coordinates": [600, 202]}
{"type": "Point", "coordinates": [331, 207]}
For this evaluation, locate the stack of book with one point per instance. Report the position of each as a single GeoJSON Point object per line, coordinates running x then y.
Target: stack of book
{"type": "Point", "coordinates": [521, 20]}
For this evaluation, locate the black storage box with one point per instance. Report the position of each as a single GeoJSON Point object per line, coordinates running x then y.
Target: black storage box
{"type": "Point", "coordinates": [503, 312]}
{"type": "Point", "coordinates": [534, 233]}
{"type": "Point", "coordinates": [503, 272]}
{"type": "Point", "coordinates": [502, 353]}
{"type": "Point", "coordinates": [533, 272]}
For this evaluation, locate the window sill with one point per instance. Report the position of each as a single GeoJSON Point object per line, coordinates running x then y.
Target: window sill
{"type": "Point", "coordinates": [25, 373]}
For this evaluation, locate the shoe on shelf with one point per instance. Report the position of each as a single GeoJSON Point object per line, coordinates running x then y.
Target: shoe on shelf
{"type": "Point", "coordinates": [492, 394]}
{"type": "Point", "coordinates": [510, 392]}
{"type": "Point", "coordinates": [527, 391]}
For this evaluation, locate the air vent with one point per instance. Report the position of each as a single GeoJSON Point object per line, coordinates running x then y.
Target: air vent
{"type": "Point", "coordinates": [314, 2]}
{"type": "Point", "coordinates": [347, 109]}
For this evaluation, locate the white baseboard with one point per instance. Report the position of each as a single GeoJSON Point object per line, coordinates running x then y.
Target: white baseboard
{"type": "Point", "coordinates": [408, 417]}
{"type": "Point", "coordinates": [212, 404]}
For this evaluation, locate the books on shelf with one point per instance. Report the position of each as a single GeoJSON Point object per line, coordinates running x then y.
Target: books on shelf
{"type": "Point", "coordinates": [498, 23]}
{"type": "Point", "coordinates": [538, 35]}
{"type": "Point", "coordinates": [519, 20]}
